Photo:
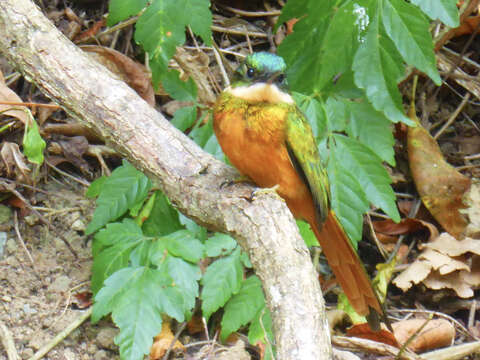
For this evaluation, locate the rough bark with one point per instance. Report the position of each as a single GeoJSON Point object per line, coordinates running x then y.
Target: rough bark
{"type": "Point", "coordinates": [190, 178]}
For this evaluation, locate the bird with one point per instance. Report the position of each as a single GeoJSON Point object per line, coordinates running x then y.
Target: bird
{"type": "Point", "coordinates": [269, 140]}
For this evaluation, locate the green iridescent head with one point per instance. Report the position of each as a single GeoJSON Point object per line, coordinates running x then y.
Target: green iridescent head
{"type": "Point", "coordinates": [262, 67]}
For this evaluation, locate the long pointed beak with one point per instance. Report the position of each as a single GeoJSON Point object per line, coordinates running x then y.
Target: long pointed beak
{"type": "Point", "coordinates": [273, 77]}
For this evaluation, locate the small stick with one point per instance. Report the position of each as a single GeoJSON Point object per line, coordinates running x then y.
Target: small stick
{"type": "Point", "coordinates": [251, 13]}
{"type": "Point", "coordinates": [13, 103]}
{"type": "Point", "coordinates": [453, 116]}
{"type": "Point", "coordinates": [17, 231]}
{"type": "Point", "coordinates": [174, 340]}
{"type": "Point", "coordinates": [8, 343]}
{"type": "Point", "coordinates": [62, 335]}
{"type": "Point", "coordinates": [238, 32]}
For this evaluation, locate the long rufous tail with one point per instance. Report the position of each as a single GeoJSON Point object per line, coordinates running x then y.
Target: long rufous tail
{"type": "Point", "coordinates": [349, 270]}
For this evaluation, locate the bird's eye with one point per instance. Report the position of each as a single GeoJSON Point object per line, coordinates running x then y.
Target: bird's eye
{"type": "Point", "coordinates": [250, 72]}
{"type": "Point", "coordinates": [281, 78]}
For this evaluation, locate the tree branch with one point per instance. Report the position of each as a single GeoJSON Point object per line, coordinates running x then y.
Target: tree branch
{"type": "Point", "coordinates": [188, 176]}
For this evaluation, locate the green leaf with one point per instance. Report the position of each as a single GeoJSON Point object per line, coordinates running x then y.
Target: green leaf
{"type": "Point", "coordinates": [185, 277]}
{"type": "Point", "coordinates": [243, 306]}
{"type": "Point", "coordinates": [219, 245]}
{"type": "Point", "coordinates": [178, 89]}
{"type": "Point", "coordinates": [182, 244]}
{"type": "Point", "coordinates": [163, 218]}
{"type": "Point", "coordinates": [372, 129]}
{"type": "Point", "coordinates": [307, 233]}
{"type": "Point", "coordinates": [112, 247]}
{"type": "Point", "coordinates": [336, 112]}
{"type": "Point", "coordinates": [261, 330]}
{"type": "Point", "coordinates": [311, 51]}
{"type": "Point", "coordinates": [33, 144]}
{"type": "Point", "coordinates": [122, 190]}
{"type": "Point", "coordinates": [119, 10]}
{"type": "Point", "coordinates": [184, 118]}
{"type": "Point", "coordinates": [161, 28]}
{"type": "Point", "coordinates": [367, 168]}
{"type": "Point", "coordinates": [408, 28]}
{"type": "Point", "coordinates": [203, 135]}
{"type": "Point", "coordinates": [245, 260]}
{"type": "Point", "coordinates": [222, 279]}
{"type": "Point", "coordinates": [132, 296]}
{"type": "Point", "coordinates": [96, 187]}
{"type": "Point", "coordinates": [347, 197]}
{"type": "Point", "coordinates": [444, 10]}
{"type": "Point", "coordinates": [198, 232]}
{"type": "Point", "coordinates": [377, 69]}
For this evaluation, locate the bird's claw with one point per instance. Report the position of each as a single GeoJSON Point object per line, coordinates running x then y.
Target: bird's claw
{"type": "Point", "coordinates": [260, 191]}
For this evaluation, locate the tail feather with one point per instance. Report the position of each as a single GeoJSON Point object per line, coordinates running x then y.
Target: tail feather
{"type": "Point", "coordinates": [348, 269]}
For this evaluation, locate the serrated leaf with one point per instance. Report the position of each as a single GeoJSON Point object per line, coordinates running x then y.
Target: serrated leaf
{"type": "Point", "coordinates": [336, 113]}
{"type": "Point", "coordinates": [119, 10]}
{"type": "Point", "coordinates": [444, 10]}
{"type": "Point", "coordinates": [112, 247]}
{"type": "Point", "coordinates": [178, 89]}
{"type": "Point", "coordinates": [219, 244]}
{"type": "Point", "coordinates": [372, 129]}
{"type": "Point", "coordinates": [123, 189]}
{"type": "Point", "coordinates": [33, 144]}
{"type": "Point", "coordinates": [311, 51]}
{"type": "Point", "coordinates": [96, 187]}
{"type": "Point", "coordinates": [377, 68]}
{"type": "Point", "coordinates": [184, 117]}
{"type": "Point", "coordinates": [182, 244]}
{"type": "Point", "coordinates": [161, 28]}
{"type": "Point", "coordinates": [347, 197]}
{"type": "Point", "coordinates": [367, 168]}
{"type": "Point", "coordinates": [163, 218]}
{"type": "Point", "coordinates": [307, 233]}
{"type": "Point", "coordinates": [408, 28]}
{"type": "Point", "coordinates": [243, 306]}
{"type": "Point", "coordinates": [198, 232]}
{"type": "Point", "coordinates": [131, 295]}
{"type": "Point", "coordinates": [222, 279]}
{"type": "Point", "coordinates": [185, 277]}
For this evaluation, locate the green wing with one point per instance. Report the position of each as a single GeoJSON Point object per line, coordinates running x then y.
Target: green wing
{"type": "Point", "coordinates": [304, 155]}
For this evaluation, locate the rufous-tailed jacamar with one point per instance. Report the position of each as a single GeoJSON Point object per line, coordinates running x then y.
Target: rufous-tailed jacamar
{"type": "Point", "coordinates": [267, 138]}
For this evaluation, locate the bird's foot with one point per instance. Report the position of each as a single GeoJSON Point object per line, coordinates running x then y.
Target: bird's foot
{"type": "Point", "coordinates": [260, 191]}
{"type": "Point", "coordinates": [238, 180]}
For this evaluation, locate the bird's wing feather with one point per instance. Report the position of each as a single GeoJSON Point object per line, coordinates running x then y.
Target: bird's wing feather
{"type": "Point", "coordinates": [304, 156]}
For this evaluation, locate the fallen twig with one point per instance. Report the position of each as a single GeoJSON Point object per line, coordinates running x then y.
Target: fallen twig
{"type": "Point", "coordinates": [8, 343]}
{"type": "Point", "coordinates": [62, 335]}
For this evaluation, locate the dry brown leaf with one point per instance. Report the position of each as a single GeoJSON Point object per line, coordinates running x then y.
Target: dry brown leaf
{"type": "Point", "coordinates": [454, 281]}
{"type": "Point", "coordinates": [14, 159]}
{"type": "Point", "coordinates": [163, 341]}
{"type": "Point", "coordinates": [365, 332]}
{"type": "Point", "coordinates": [405, 226]}
{"type": "Point", "coordinates": [442, 263]}
{"type": "Point", "coordinates": [436, 333]}
{"type": "Point", "coordinates": [448, 245]}
{"type": "Point", "coordinates": [7, 94]}
{"type": "Point", "coordinates": [445, 263]}
{"type": "Point", "coordinates": [195, 64]}
{"type": "Point", "coordinates": [132, 72]}
{"type": "Point", "coordinates": [440, 185]}
{"type": "Point", "coordinates": [414, 274]}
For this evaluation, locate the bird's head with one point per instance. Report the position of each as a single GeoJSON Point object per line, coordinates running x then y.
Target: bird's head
{"type": "Point", "coordinates": [262, 67]}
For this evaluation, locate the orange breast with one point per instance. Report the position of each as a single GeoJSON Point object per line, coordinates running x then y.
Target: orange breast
{"type": "Point", "coordinates": [253, 138]}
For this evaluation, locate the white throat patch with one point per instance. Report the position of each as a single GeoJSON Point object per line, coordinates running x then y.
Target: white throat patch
{"type": "Point", "coordinates": [261, 92]}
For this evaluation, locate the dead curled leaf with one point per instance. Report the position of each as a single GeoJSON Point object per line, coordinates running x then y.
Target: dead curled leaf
{"type": "Point", "coordinates": [405, 226]}
{"type": "Point", "coordinates": [365, 332]}
{"type": "Point", "coordinates": [133, 73]}
{"type": "Point", "coordinates": [163, 341]}
{"type": "Point", "coordinates": [14, 159]}
{"type": "Point", "coordinates": [445, 263]}
{"type": "Point", "coordinates": [8, 95]}
{"type": "Point", "coordinates": [435, 333]}
{"type": "Point", "coordinates": [440, 185]}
